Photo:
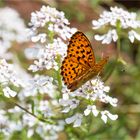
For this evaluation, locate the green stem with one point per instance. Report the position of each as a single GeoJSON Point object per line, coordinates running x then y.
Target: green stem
{"type": "Point", "coordinates": [51, 35]}
{"type": "Point", "coordinates": [118, 53]}
{"type": "Point", "coordinates": [112, 68]}
{"type": "Point", "coordinates": [58, 74]}
{"type": "Point", "coordinates": [12, 101]}
{"type": "Point", "coordinates": [58, 60]}
{"type": "Point", "coordinates": [118, 40]}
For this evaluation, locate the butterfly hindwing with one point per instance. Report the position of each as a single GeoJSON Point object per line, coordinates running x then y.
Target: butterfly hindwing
{"type": "Point", "coordinates": [71, 70]}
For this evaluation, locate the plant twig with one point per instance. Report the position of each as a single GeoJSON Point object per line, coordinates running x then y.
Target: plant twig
{"type": "Point", "coordinates": [27, 111]}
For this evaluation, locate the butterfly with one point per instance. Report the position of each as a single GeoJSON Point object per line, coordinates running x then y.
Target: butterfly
{"type": "Point", "coordinates": [79, 65]}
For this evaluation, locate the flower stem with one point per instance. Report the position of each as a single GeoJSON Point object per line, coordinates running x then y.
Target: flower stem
{"type": "Point", "coordinates": [58, 74]}
{"type": "Point", "coordinates": [118, 58]}
{"type": "Point", "coordinates": [118, 40]}
{"type": "Point", "coordinates": [51, 36]}
{"type": "Point", "coordinates": [12, 101]}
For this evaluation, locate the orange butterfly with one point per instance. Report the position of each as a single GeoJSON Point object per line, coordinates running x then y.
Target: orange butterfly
{"type": "Point", "coordinates": [79, 65]}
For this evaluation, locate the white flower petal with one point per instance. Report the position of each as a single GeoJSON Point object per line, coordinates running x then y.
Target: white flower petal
{"type": "Point", "coordinates": [9, 93]}
{"type": "Point", "coordinates": [104, 118]}
{"type": "Point", "coordinates": [127, 19]}
{"type": "Point", "coordinates": [108, 37]}
{"type": "Point", "coordinates": [99, 37]}
{"type": "Point", "coordinates": [66, 110]}
{"type": "Point", "coordinates": [106, 88]}
{"type": "Point", "coordinates": [96, 24]}
{"type": "Point", "coordinates": [78, 122]}
{"type": "Point", "coordinates": [114, 35]}
{"type": "Point", "coordinates": [30, 133]}
{"type": "Point", "coordinates": [95, 112]}
{"type": "Point", "coordinates": [112, 117]}
{"type": "Point", "coordinates": [65, 96]}
{"type": "Point", "coordinates": [35, 38]}
{"type": "Point", "coordinates": [87, 112]}
{"type": "Point", "coordinates": [137, 36]}
{"type": "Point", "coordinates": [132, 35]}
{"type": "Point", "coordinates": [70, 120]}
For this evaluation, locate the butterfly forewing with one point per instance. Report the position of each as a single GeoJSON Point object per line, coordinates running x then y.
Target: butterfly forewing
{"type": "Point", "coordinates": [80, 48]}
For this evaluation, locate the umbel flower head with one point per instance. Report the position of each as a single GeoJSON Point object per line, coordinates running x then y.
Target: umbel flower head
{"type": "Point", "coordinates": [50, 20]}
{"type": "Point", "coordinates": [88, 94]}
{"type": "Point", "coordinates": [111, 18]}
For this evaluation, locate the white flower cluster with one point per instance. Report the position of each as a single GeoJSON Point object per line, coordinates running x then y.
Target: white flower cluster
{"type": "Point", "coordinates": [47, 56]}
{"type": "Point", "coordinates": [38, 84]}
{"type": "Point", "coordinates": [45, 131]}
{"type": "Point", "coordinates": [127, 22]}
{"type": "Point", "coordinates": [32, 87]}
{"type": "Point", "coordinates": [8, 76]}
{"type": "Point", "coordinates": [49, 27]}
{"type": "Point", "coordinates": [8, 127]}
{"type": "Point", "coordinates": [38, 89]}
{"type": "Point", "coordinates": [52, 21]}
{"type": "Point", "coordinates": [12, 28]}
{"type": "Point", "coordinates": [91, 91]}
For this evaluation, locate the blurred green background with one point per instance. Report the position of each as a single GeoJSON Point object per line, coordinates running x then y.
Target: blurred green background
{"type": "Point", "coordinates": [125, 80]}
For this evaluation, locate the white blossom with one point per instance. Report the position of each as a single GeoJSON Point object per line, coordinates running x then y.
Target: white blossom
{"type": "Point", "coordinates": [46, 57]}
{"type": "Point", "coordinates": [76, 119]}
{"type": "Point", "coordinates": [68, 103]}
{"type": "Point", "coordinates": [107, 38]}
{"type": "Point", "coordinates": [10, 30]}
{"type": "Point", "coordinates": [38, 93]}
{"type": "Point", "coordinates": [111, 18]}
{"type": "Point", "coordinates": [9, 93]}
{"type": "Point", "coordinates": [95, 90]}
{"type": "Point", "coordinates": [50, 131]}
{"type": "Point", "coordinates": [32, 52]}
{"type": "Point", "coordinates": [6, 126]}
{"type": "Point", "coordinates": [128, 20]}
{"type": "Point", "coordinates": [53, 20]}
{"type": "Point", "coordinates": [40, 37]}
{"type": "Point", "coordinates": [91, 109]}
{"type": "Point", "coordinates": [29, 120]}
{"type": "Point", "coordinates": [133, 35]}
{"type": "Point", "coordinates": [45, 107]}
{"type": "Point", "coordinates": [15, 109]}
{"type": "Point", "coordinates": [30, 133]}
{"type": "Point", "coordinates": [9, 75]}
{"type": "Point", "coordinates": [105, 114]}
{"type": "Point", "coordinates": [91, 91]}
{"type": "Point", "coordinates": [39, 84]}
{"type": "Point", "coordinates": [50, 28]}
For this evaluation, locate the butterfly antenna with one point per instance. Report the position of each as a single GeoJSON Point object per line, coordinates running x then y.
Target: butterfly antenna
{"type": "Point", "coordinates": [102, 55]}
{"type": "Point", "coordinates": [98, 73]}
